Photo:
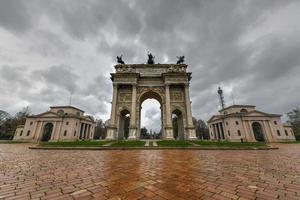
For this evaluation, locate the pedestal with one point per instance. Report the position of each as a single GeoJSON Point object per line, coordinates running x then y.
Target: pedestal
{"type": "Point", "coordinates": [132, 134]}
{"type": "Point", "coordinates": [191, 133]}
{"type": "Point", "coordinates": [110, 133]}
{"type": "Point", "coordinates": [169, 133]}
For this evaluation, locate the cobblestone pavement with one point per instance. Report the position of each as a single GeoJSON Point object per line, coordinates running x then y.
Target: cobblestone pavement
{"type": "Point", "coordinates": [149, 174]}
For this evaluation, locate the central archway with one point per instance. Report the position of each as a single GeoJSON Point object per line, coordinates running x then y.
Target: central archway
{"type": "Point", "coordinates": [150, 119]}
{"type": "Point", "coordinates": [143, 97]}
{"type": "Point", "coordinates": [48, 128]}
{"type": "Point", "coordinates": [258, 132]}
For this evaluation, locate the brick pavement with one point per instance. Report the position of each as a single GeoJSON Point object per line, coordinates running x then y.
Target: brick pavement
{"type": "Point", "coordinates": [149, 174]}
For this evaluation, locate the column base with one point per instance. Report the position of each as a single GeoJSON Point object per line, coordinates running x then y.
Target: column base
{"type": "Point", "coordinates": [111, 132]}
{"type": "Point", "coordinates": [191, 133]}
{"type": "Point", "coordinates": [132, 134]}
{"type": "Point", "coordinates": [169, 134]}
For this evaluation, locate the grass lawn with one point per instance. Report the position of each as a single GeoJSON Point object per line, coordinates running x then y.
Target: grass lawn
{"type": "Point", "coordinates": [75, 144]}
{"type": "Point", "coordinates": [229, 144]}
{"type": "Point", "coordinates": [173, 143]}
{"type": "Point", "coordinates": [134, 143]}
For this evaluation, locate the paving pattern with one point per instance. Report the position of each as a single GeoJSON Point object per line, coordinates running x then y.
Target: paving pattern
{"type": "Point", "coordinates": [149, 174]}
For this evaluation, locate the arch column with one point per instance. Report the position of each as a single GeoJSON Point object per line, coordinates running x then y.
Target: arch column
{"type": "Point", "coordinates": [190, 126]}
{"type": "Point", "coordinates": [132, 127]}
{"type": "Point", "coordinates": [168, 127]}
{"type": "Point", "coordinates": [111, 131]}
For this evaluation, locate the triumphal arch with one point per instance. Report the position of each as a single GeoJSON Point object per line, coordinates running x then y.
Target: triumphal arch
{"type": "Point", "coordinates": [167, 83]}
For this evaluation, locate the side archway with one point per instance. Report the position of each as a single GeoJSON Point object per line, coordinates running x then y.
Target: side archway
{"type": "Point", "coordinates": [178, 125]}
{"type": "Point", "coordinates": [124, 122]}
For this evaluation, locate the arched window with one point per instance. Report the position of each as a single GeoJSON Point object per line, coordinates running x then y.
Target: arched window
{"type": "Point", "coordinates": [21, 133]}
{"type": "Point", "coordinates": [65, 132]}
{"type": "Point", "coordinates": [286, 133]}
{"type": "Point", "coordinates": [278, 132]}
{"type": "Point", "coordinates": [226, 123]}
{"type": "Point", "coordinates": [236, 122]}
{"type": "Point", "coordinates": [67, 123]}
{"type": "Point", "coordinates": [28, 132]}
{"type": "Point", "coordinates": [74, 133]}
{"type": "Point", "coordinates": [239, 133]}
{"type": "Point", "coordinates": [243, 110]}
{"type": "Point", "coordinates": [275, 122]}
{"type": "Point", "coordinates": [228, 133]}
{"type": "Point", "coordinates": [31, 123]}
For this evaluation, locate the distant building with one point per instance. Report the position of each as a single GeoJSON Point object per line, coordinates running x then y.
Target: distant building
{"type": "Point", "coordinates": [60, 123]}
{"type": "Point", "coordinates": [238, 122]}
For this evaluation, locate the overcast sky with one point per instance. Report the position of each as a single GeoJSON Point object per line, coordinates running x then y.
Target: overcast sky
{"type": "Point", "coordinates": [50, 49]}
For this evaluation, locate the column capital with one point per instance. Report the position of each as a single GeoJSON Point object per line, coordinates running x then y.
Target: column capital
{"type": "Point", "coordinates": [115, 84]}
{"type": "Point", "coordinates": [186, 84]}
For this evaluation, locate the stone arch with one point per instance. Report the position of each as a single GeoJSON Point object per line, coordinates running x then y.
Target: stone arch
{"type": "Point", "coordinates": [134, 83]}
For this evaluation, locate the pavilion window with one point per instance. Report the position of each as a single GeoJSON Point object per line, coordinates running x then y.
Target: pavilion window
{"type": "Point", "coordinates": [278, 132]}
{"type": "Point", "coordinates": [239, 133]}
{"type": "Point", "coordinates": [286, 133]}
{"type": "Point", "coordinates": [21, 133]}
{"type": "Point", "coordinates": [65, 132]}
{"type": "Point", "coordinates": [28, 133]}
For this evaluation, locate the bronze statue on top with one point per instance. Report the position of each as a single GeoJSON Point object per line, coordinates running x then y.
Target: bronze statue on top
{"type": "Point", "coordinates": [150, 59]}
{"type": "Point", "coordinates": [119, 60]}
{"type": "Point", "coordinates": [180, 59]}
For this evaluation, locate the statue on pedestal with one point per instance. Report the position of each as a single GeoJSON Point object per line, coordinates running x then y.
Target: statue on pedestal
{"type": "Point", "coordinates": [180, 59]}
{"type": "Point", "coordinates": [119, 60]}
{"type": "Point", "coordinates": [150, 59]}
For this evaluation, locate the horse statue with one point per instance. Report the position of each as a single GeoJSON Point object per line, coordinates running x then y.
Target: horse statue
{"type": "Point", "coordinates": [119, 59]}
{"type": "Point", "coordinates": [180, 59]}
{"type": "Point", "coordinates": [150, 59]}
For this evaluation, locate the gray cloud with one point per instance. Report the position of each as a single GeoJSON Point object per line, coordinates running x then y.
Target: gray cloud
{"type": "Point", "coordinates": [87, 36]}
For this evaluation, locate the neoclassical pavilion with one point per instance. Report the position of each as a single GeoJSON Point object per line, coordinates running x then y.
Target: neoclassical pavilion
{"type": "Point", "coordinates": [244, 122]}
{"type": "Point", "coordinates": [167, 83]}
{"type": "Point", "coordinates": [60, 123]}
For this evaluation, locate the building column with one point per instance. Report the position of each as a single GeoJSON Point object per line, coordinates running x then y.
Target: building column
{"type": "Point", "coordinates": [132, 127]}
{"type": "Point", "coordinates": [246, 132]}
{"type": "Point", "coordinates": [53, 132]}
{"type": "Point", "coordinates": [111, 131]}
{"type": "Point", "coordinates": [222, 130]}
{"type": "Point", "coordinates": [214, 132]}
{"type": "Point", "coordinates": [251, 131]}
{"type": "Point", "coordinates": [218, 131]}
{"type": "Point", "coordinates": [266, 133]}
{"type": "Point", "coordinates": [169, 128]}
{"type": "Point", "coordinates": [85, 130]}
{"type": "Point", "coordinates": [190, 126]}
{"type": "Point", "coordinates": [39, 131]}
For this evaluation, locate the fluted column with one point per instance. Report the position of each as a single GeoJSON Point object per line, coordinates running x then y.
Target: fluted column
{"type": "Point", "coordinates": [132, 130]}
{"type": "Point", "coordinates": [112, 122]}
{"type": "Point", "coordinates": [168, 127]}
{"type": "Point", "coordinates": [190, 126]}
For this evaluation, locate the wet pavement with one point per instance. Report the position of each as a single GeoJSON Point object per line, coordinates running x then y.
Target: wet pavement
{"type": "Point", "coordinates": [149, 174]}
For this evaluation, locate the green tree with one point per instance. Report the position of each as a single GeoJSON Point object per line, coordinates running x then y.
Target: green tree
{"type": "Point", "coordinates": [9, 124]}
{"type": "Point", "coordinates": [100, 129]}
{"type": "Point", "coordinates": [294, 120]}
{"type": "Point", "coordinates": [144, 133]}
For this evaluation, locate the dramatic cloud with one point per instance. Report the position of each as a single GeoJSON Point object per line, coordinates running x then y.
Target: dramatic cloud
{"type": "Point", "coordinates": [53, 50]}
